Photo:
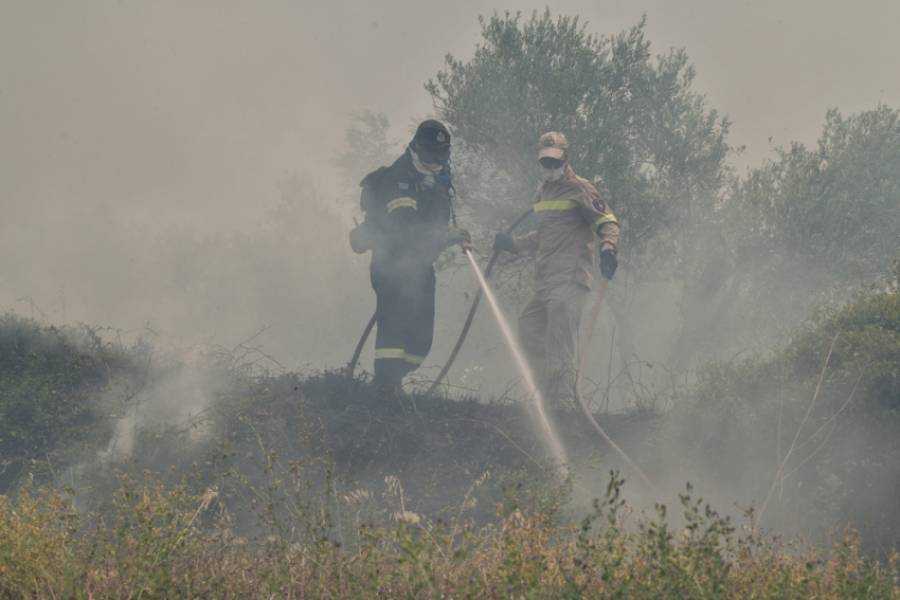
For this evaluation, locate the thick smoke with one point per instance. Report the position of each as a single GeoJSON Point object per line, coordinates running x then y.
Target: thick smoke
{"type": "Point", "coordinates": [169, 167]}
{"type": "Point", "coordinates": [138, 137]}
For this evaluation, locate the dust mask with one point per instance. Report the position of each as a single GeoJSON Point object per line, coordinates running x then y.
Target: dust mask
{"type": "Point", "coordinates": [424, 168]}
{"type": "Point", "coordinates": [550, 175]}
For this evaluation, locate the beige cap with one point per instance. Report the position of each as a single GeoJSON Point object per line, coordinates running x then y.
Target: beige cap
{"type": "Point", "coordinates": [553, 144]}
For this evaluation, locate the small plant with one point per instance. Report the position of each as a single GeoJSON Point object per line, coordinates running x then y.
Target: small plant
{"type": "Point", "coordinates": [156, 541]}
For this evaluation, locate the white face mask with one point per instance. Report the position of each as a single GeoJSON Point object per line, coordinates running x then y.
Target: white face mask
{"type": "Point", "coordinates": [550, 175]}
{"type": "Point", "coordinates": [423, 167]}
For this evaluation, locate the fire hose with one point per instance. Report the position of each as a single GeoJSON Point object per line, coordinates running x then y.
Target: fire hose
{"type": "Point", "coordinates": [351, 366]}
{"type": "Point", "coordinates": [579, 378]}
{"type": "Point", "coordinates": [582, 361]}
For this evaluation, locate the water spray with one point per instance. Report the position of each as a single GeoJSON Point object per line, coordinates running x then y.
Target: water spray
{"type": "Point", "coordinates": [467, 324]}
{"type": "Point", "coordinates": [546, 428]}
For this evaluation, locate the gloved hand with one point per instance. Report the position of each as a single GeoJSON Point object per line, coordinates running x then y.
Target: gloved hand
{"type": "Point", "coordinates": [456, 235]}
{"type": "Point", "coordinates": [361, 238]}
{"type": "Point", "coordinates": [608, 262]}
{"type": "Point", "coordinates": [504, 243]}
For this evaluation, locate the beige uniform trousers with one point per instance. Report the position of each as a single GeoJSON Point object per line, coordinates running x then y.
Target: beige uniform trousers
{"type": "Point", "coordinates": [548, 330]}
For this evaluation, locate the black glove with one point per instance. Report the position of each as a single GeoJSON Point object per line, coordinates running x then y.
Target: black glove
{"type": "Point", "coordinates": [361, 238]}
{"type": "Point", "coordinates": [504, 243]}
{"type": "Point", "coordinates": [608, 263]}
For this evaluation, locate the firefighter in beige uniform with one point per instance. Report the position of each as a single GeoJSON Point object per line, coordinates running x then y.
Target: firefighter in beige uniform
{"type": "Point", "coordinates": [574, 223]}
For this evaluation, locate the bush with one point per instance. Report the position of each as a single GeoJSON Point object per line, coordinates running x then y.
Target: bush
{"type": "Point", "coordinates": [50, 382]}
{"type": "Point", "coordinates": [812, 429]}
{"type": "Point", "coordinates": [155, 541]}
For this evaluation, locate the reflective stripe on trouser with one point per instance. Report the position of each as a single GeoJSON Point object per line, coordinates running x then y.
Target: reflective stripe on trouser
{"type": "Point", "coordinates": [405, 318]}
{"type": "Point", "coordinates": [548, 330]}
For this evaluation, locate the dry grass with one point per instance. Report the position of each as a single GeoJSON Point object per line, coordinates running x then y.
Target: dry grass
{"type": "Point", "coordinates": [153, 542]}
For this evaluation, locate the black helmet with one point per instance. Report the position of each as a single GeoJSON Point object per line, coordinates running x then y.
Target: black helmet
{"type": "Point", "coordinates": [432, 142]}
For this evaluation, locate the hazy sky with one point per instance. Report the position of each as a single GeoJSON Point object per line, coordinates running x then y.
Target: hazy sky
{"type": "Point", "coordinates": [191, 105]}
{"type": "Point", "coordinates": [131, 132]}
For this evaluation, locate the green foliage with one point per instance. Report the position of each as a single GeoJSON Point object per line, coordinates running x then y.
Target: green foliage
{"type": "Point", "coordinates": [835, 206]}
{"type": "Point", "coordinates": [280, 492]}
{"type": "Point", "coordinates": [813, 223]}
{"type": "Point", "coordinates": [748, 255]}
{"type": "Point", "coordinates": [156, 541]}
{"type": "Point", "coordinates": [630, 118]}
{"type": "Point", "coordinates": [811, 428]}
{"type": "Point", "coordinates": [50, 379]}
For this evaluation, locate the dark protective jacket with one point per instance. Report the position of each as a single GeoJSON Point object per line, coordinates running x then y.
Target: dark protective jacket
{"type": "Point", "coordinates": [407, 215]}
{"type": "Point", "coordinates": [570, 212]}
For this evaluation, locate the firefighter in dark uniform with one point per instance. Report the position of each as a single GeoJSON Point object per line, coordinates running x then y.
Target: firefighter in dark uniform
{"type": "Point", "coordinates": [408, 223]}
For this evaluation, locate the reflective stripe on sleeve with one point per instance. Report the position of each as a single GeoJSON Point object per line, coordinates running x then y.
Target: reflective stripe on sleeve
{"type": "Point", "coordinates": [604, 218]}
{"type": "Point", "coordinates": [404, 202]}
{"type": "Point", "coordinates": [559, 204]}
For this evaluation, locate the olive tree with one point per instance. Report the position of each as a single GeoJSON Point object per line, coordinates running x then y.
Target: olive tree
{"type": "Point", "coordinates": [813, 224]}
{"type": "Point", "coordinates": [632, 118]}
